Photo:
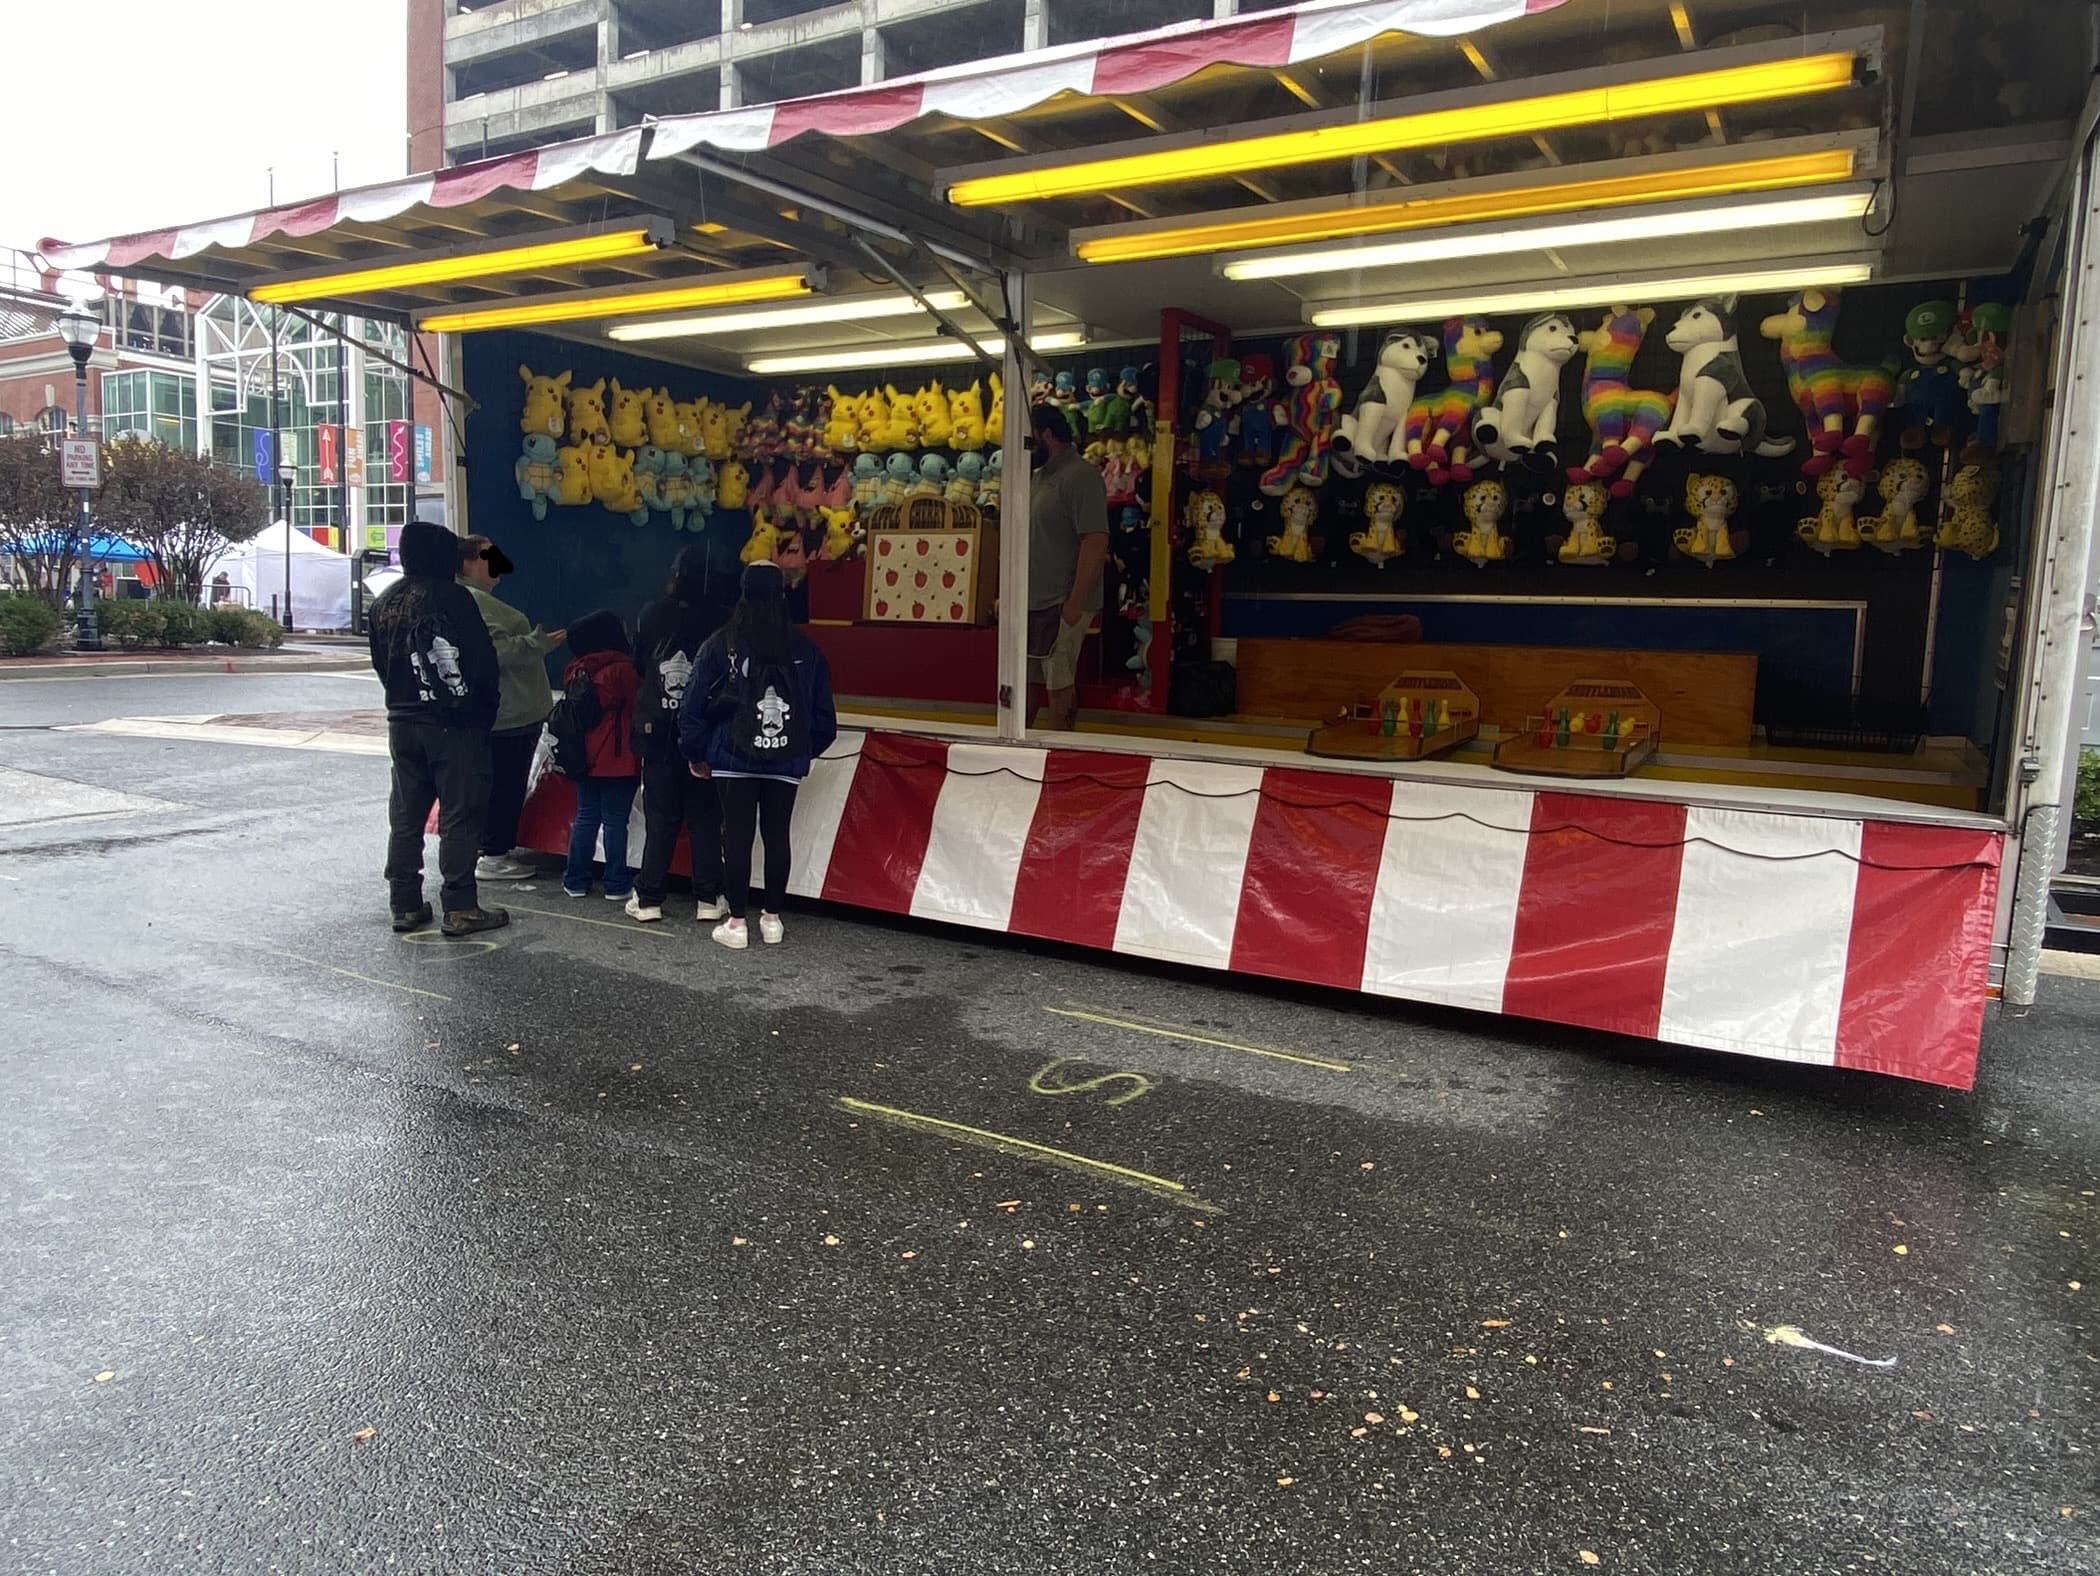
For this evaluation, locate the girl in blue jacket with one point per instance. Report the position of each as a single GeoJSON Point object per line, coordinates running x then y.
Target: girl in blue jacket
{"type": "Point", "coordinates": [757, 710]}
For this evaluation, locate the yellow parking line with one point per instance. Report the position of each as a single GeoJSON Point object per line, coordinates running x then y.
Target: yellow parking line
{"type": "Point", "coordinates": [578, 919]}
{"type": "Point", "coordinates": [316, 963]}
{"type": "Point", "coordinates": [1200, 1039]}
{"type": "Point", "coordinates": [1028, 1149]}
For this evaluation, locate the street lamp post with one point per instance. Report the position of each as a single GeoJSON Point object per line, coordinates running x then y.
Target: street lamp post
{"type": "Point", "coordinates": [78, 329]}
{"type": "Point", "coordinates": [287, 475]}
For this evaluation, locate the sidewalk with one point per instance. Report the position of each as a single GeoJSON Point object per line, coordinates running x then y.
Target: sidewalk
{"type": "Point", "coordinates": [292, 657]}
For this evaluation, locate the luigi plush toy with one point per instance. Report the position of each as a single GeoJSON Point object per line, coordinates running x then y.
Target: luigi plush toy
{"type": "Point", "coordinates": [1929, 391]}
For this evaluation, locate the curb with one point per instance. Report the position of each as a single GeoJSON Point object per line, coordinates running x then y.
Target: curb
{"type": "Point", "coordinates": [120, 667]}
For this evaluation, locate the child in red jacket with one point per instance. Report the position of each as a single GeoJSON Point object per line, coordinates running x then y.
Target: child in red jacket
{"type": "Point", "coordinates": [605, 794]}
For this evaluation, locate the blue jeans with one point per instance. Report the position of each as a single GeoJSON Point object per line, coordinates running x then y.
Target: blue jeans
{"type": "Point", "coordinates": [601, 802]}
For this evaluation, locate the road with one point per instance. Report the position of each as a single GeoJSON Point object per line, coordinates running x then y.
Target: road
{"type": "Point", "coordinates": [589, 1247]}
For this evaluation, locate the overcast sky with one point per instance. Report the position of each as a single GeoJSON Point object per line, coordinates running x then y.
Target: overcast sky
{"type": "Point", "coordinates": [177, 112]}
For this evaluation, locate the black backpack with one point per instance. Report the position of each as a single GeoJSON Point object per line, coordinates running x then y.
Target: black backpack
{"type": "Point", "coordinates": [576, 712]}
{"type": "Point", "coordinates": [767, 724]}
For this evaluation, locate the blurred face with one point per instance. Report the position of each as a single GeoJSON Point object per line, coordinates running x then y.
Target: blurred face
{"type": "Point", "coordinates": [477, 569]}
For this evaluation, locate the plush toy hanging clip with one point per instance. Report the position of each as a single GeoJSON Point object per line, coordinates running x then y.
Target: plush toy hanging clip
{"type": "Point", "coordinates": [1298, 508]}
{"type": "Point", "coordinates": [1524, 416]}
{"type": "Point", "coordinates": [1440, 425]}
{"type": "Point", "coordinates": [1717, 411]}
{"type": "Point", "coordinates": [1374, 432]}
{"type": "Point", "coordinates": [1624, 421]}
{"type": "Point", "coordinates": [1586, 543]}
{"type": "Point", "coordinates": [1832, 528]}
{"type": "Point", "coordinates": [1378, 542]}
{"type": "Point", "coordinates": [1711, 501]}
{"type": "Point", "coordinates": [1843, 403]}
{"type": "Point", "coordinates": [539, 473]}
{"type": "Point", "coordinates": [1204, 516]}
{"type": "Point", "coordinates": [1904, 485]}
{"type": "Point", "coordinates": [1483, 541]}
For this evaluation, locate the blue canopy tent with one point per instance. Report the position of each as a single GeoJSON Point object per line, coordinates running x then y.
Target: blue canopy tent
{"type": "Point", "coordinates": [105, 549]}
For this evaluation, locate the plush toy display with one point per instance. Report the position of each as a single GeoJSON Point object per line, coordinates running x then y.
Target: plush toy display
{"type": "Point", "coordinates": [867, 482]}
{"type": "Point", "coordinates": [1624, 421]}
{"type": "Point", "coordinates": [1298, 508]}
{"type": "Point", "coordinates": [899, 476]}
{"type": "Point", "coordinates": [763, 544]}
{"type": "Point", "coordinates": [966, 418]}
{"type": "Point", "coordinates": [700, 475]}
{"type": "Point", "coordinates": [1842, 403]}
{"type": "Point", "coordinates": [546, 401]}
{"type": "Point", "coordinates": [1093, 404]}
{"type": "Point", "coordinates": [1307, 415]}
{"type": "Point", "coordinates": [612, 482]}
{"type": "Point", "coordinates": [733, 485]}
{"type": "Point", "coordinates": [1716, 408]}
{"type": "Point", "coordinates": [1483, 540]}
{"type": "Point", "coordinates": [1904, 485]}
{"type": "Point", "coordinates": [1374, 432]}
{"type": "Point", "coordinates": [1440, 425]}
{"type": "Point", "coordinates": [660, 421]}
{"type": "Point", "coordinates": [648, 463]}
{"type": "Point", "coordinates": [1204, 517]}
{"type": "Point", "coordinates": [719, 428]}
{"type": "Point", "coordinates": [1122, 405]}
{"type": "Point", "coordinates": [1711, 501]}
{"type": "Point", "coordinates": [933, 478]}
{"type": "Point", "coordinates": [539, 473]}
{"type": "Point", "coordinates": [1929, 391]}
{"type": "Point", "coordinates": [898, 426]}
{"type": "Point", "coordinates": [1966, 525]}
{"type": "Point", "coordinates": [842, 426]}
{"type": "Point", "coordinates": [995, 413]}
{"type": "Point", "coordinates": [1121, 472]}
{"type": "Point", "coordinates": [629, 417]}
{"type": "Point", "coordinates": [1586, 542]}
{"type": "Point", "coordinates": [931, 405]}
{"type": "Point", "coordinates": [969, 472]}
{"type": "Point", "coordinates": [988, 489]}
{"type": "Point", "coordinates": [760, 436]}
{"type": "Point", "coordinates": [690, 428]}
{"type": "Point", "coordinates": [1064, 394]}
{"type": "Point", "coordinates": [1983, 377]}
{"type": "Point", "coordinates": [1257, 415]}
{"type": "Point", "coordinates": [1378, 542]}
{"type": "Point", "coordinates": [587, 414]}
{"type": "Point", "coordinates": [1525, 414]}
{"type": "Point", "coordinates": [840, 534]}
{"type": "Point", "coordinates": [1213, 423]}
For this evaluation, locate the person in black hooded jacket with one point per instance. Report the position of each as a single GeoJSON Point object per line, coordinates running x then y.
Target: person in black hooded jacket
{"type": "Point", "coordinates": [432, 652]}
{"type": "Point", "coordinates": [668, 638]}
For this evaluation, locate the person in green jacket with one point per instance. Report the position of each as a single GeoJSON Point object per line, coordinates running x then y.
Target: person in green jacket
{"type": "Point", "coordinates": [525, 700]}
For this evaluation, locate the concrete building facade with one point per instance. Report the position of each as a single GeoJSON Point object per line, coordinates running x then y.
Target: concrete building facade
{"type": "Point", "coordinates": [517, 73]}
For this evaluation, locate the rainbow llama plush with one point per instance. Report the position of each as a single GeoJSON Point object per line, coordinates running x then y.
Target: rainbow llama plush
{"type": "Point", "coordinates": [1842, 402]}
{"type": "Point", "coordinates": [1623, 420]}
{"type": "Point", "coordinates": [1308, 415]}
{"type": "Point", "coordinates": [1440, 425]}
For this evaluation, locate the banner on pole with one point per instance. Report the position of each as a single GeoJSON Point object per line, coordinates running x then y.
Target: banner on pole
{"type": "Point", "coordinates": [354, 456]}
{"type": "Point", "coordinates": [423, 453]}
{"type": "Point", "coordinates": [331, 468]}
{"type": "Point", "coordinates": [265, 472]}
{"type": "Point", "coordinates": [400, 453]}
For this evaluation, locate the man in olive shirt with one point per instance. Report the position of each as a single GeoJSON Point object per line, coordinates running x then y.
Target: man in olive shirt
{"type": "Point", "coordinates": [1067, 547]}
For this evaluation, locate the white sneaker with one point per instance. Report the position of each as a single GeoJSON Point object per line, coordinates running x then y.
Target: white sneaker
{"type": "Point", "coordinates": [771, 930]}
{"type": "Point", "coordinates": [718, 909]}
{"type": "Point", "coordinates": [642, 913]}
{"type": "Point", "coordinates": [500, 867]}
{"type": "Point", "coordinates": [733, 935]}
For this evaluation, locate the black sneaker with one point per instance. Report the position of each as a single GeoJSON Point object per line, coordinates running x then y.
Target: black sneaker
{"type": "Point", "coordinates": [467, 921]}
{"type": "Point", "coordinates": [407, 919]}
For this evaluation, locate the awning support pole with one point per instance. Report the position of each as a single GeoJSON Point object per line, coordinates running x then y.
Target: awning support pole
{"type": "Point", "coordinates": [947, 323]}
{"type": "Point", "coordinates": [2063, 549]}
{"type": "Point", "coordinates": [1015, 472]}
{"type": "Point", "coordinates": [396, 363]}
{"type": "Point", "coordinates": [860, 221]}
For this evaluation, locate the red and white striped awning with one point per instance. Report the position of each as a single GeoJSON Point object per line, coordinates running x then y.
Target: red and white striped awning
{"type": "Point", "coordinates": [1132, 63]}
{"type": "Point", "coordinates": [536, 169]}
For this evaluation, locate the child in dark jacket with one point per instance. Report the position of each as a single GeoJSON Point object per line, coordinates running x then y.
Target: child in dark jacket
{"type": "Point", "coordinates": [605, 794]}
{"type": "Point", "coordinates": [756, 742]}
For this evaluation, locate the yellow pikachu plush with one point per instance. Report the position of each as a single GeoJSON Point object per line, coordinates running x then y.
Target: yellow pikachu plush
{"type": "Point", "coordinates": [900, 427]}
{"type": "Point", "coordinates": [544, 402]}
{"type": "Point", "coordinates": [935, 425]}
{"type": "Point", "coordinates": [842, 431]}
{"type": "Point", "coordinates": [966, 418]}
{"type": "Point", "coordinates": [628, 417]}
{"type": "Point", "coordinates": [995, 413]}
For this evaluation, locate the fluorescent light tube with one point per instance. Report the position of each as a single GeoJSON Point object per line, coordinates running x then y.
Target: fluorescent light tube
{"type": "Point", "coordinates": [843, 309]}
{"type": "Point", "coordinates": [913, 355]}
{"type": "Point", "coordinates": [1593, 292]}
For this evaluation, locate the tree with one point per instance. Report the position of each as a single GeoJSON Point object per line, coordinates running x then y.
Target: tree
{"type": "Point", "coordinates": [182, 510]}
{"type": "Point", "coordinates": [38, 517]}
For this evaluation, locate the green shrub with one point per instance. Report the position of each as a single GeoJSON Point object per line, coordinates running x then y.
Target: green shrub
{"type": "Point", "coordinates": [2085, 806]}
{"type": "Point", "coordinates": [124, 622]}
{"type": "Point", "coordinates": [27, 625]}
{"type": "Point", "coordinates": [184, 623]}
{"type": "Point", "coordinates": [228, 620]}
{"type": "Point", "coordinates": [257, 629]}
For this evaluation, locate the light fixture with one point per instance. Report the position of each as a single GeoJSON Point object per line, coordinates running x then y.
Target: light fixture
{"type": "Point", "coordinates": [1666, 178]}
{"type": "Point", "coordinates": [79, 329]}
{"type": "Point", "coordinates": [1583, 102]}
{"type": "Point", "coordinates": [1763, 213]}
{"type": "Point", "coordinates": [1602, 291]}
{"type": "Point", "coordinates": [517, 255]}
{"type": "Point", "coordinates": [580, 306]}
{"type": "Point", "coordinates": [842, 309]}
{"type": "Point", "coordinates": [912, 355]}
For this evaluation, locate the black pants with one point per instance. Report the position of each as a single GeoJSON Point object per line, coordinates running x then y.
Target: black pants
{"type": "Point", "coordinates": [672, 797]}
{"type": "Point", "coordinates": [510, 763]}
{"type": "Point", "coordinates": [768, 806]}
{"type": "Point", "coordinates": [448, 767]}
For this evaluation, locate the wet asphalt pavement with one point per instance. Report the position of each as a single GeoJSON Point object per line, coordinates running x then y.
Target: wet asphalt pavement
{"type": "Point", "coordinates": [590, 1247]}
